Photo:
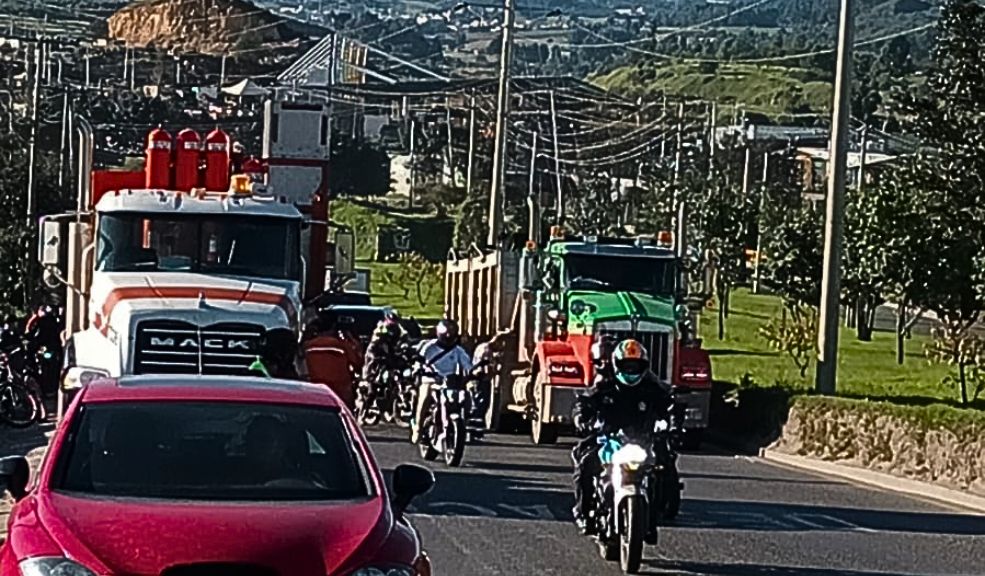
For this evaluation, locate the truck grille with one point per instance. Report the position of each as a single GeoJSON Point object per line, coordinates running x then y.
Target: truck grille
{"type": "Point", "coordinates": [657, 344]}
{"type": "Point", "coordinates": [173, 347]}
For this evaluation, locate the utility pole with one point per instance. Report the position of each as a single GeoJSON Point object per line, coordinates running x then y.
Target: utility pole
{"type": "Point", "coordinates": [663, 136]}
{"type": "Point", "coordinates": [471, 163]}
{"type": "Point", "coordinates": [679, 203]}
{"type": "Point", "coordinates": [451, 148]}
{"type": "Point", "coordinates": [557, 165]}
{"type": "Point", "coordinates": [759, 223]}
{"type": "Point", "coordinates": [827, 341]}
{"type": "Point", "coordinates": [222, 72]}
{"type": "Point", "coordinates": [126, 63]}
{"type": "Point", "coordinates": [87, 70]}
{"type": "Point", "coordinates": [31, 161]}
{"type": "Point", "coordinates": [496, 191]}
{"type": "Point", "coordinates": [413, 170]}
{"type": "Point", "coordinates": [533, 226]}
{"type": "Point", "coordinates": [746, 171]}
{"type": "Point", "coordinates": [177, 71]}
{"type": "Point", "coordinates": [712, 134]}
{"type": "Point", "coordinates": [64, 145]}
{"type": "Point", "coordinates": [864, 145]}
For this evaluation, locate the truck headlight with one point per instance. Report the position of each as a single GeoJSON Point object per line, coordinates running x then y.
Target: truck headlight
{"type": "Point", "coordinates": [53, 566]}
{"type": "Point", "coordinates": [78, 376]}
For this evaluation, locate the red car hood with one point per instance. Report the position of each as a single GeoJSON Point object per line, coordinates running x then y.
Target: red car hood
{"type": "Point", "coordinates": [139, 538]}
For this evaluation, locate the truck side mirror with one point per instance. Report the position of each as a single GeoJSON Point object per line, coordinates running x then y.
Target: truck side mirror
{"type": "Point", "coordinates": [53, 242]}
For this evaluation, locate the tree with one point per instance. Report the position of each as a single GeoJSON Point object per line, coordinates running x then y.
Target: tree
{"type": "Point", "coordinates": [723, 216]}
{"type": "Point", "coordinates": [794, 245]}
{"type": "Point", "coordinates": [944, 178]}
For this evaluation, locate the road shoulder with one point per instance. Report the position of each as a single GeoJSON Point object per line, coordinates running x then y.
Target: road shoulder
{"type": "Point", "coordinates": [880, 480]}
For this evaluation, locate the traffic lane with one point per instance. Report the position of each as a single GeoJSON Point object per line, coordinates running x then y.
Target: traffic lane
{"type": "Point", "coordinates": [508, 511]}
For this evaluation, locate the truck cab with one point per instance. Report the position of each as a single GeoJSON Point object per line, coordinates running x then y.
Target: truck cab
{"type": "Point", "coordinates": [186, 268]}
{"type": "Point", "coordinates": [565, 297]}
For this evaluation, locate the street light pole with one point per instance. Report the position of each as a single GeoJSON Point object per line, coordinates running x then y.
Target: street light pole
{"type": "Point", "coordinates": [827, 340]}
{"type": "Point", "coordinates": [496, 204]}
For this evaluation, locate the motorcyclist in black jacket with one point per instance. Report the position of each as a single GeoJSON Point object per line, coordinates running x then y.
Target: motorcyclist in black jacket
{"type": "Point", "coordinates": [632, 399]}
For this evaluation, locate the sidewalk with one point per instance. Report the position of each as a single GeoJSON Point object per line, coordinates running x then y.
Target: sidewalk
{"type": "Point", "coordinates": [30, 442]}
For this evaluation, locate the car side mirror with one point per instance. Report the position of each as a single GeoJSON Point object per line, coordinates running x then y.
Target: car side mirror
{"type": "Point", "coordinates": [409, 482]}
{"type": "Point", "coordinates": [15, 473]}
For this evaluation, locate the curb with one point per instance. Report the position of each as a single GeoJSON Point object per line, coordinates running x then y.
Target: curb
{"type": "Point", "coordinates": [881, 480]}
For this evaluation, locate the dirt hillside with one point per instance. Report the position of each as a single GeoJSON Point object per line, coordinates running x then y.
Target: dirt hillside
{"type": "Point", "coordinates": [203, 26]}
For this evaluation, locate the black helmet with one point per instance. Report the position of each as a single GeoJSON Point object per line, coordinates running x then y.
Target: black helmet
{"type": "Point", "coordinates": [447, 333]}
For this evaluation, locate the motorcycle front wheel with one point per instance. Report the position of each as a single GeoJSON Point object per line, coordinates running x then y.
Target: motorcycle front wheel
{"type": "Point", "coordinates": [19, 407]}
{"type": "Point", "coordinates": [425, 443]}
{"type": "Point", "coordinates": [631, 535]}
{"type": "Point", "coordinates": [454, 442]}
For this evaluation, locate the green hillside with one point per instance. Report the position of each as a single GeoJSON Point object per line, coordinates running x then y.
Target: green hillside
{"type": "Point", "coordinates": [771, 90]}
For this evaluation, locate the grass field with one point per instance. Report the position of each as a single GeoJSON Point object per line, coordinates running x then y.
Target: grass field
{"type": "Point", "coordinates": [387, 293]}
{"type": "Point", "coordinates": [865, 369]}
{"type": "Point", "coordinates": [771, 90]}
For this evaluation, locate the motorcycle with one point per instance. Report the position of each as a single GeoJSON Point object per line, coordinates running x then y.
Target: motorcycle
{"type": "Point", "coordinates": [444, 426]}
{"type": "Point", "coordinates": [638, 488]}
{"type": "Point", "coordinates": [391, 395]}
{"type": "Point", "coordinates": [21, 401]}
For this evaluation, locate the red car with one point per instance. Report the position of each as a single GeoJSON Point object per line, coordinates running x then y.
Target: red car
{"type": "Point", "coordinates": [218, 476]}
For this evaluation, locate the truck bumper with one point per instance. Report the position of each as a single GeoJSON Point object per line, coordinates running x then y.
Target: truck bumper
{"type": "Point", "coordinates": [697, 403]}
{"type": "Point", "coordinates": [558, 404]}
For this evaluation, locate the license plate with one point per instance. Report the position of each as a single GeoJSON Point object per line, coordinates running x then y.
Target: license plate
{"type": "Point", "coordinates": [693, 414]}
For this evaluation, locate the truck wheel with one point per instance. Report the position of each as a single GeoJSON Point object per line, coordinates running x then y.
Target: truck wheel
{"type": "Point", "coordinates": [542, 432]}
{"type": "Point", "coordinates": [693, 438]}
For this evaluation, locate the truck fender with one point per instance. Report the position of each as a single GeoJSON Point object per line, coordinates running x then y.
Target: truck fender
{"type": "Point", "coordinates": [91, 349]}
{"type": "Point", "coordinates": [692, 368]}
{"type": "Point", "coordinates": [553, 352]}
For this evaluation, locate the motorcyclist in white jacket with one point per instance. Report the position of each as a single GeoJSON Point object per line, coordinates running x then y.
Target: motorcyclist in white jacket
{"type": "Point", "coordinates": [443, 356]}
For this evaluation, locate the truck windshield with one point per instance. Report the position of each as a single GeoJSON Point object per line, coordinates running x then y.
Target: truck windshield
{"type": "Point", "coordinates": [654, 276]}
{"type": "Point", "coordinates": [266, 247]}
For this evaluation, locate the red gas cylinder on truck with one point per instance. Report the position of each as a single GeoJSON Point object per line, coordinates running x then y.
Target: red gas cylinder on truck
{"type": "Point", "coordinates": [217, 161]}
{"type": "Point", "coordinates": [253, 168]}
{"type": "Point", "coordinates": [186, 160]}
{"type": "Point", "coordinates": [157, 170]}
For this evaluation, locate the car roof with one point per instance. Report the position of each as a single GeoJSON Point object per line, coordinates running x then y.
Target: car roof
{"type": "Point", "coordinates": [192, 388]}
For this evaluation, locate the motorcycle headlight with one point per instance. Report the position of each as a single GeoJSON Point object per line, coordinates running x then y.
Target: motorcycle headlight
{"type": "Point", "coordinates": [54, 566]}
{"type": "Point", "coordinates": [385, 571]}
{"type": "Point", "coordinates": [630, 457]}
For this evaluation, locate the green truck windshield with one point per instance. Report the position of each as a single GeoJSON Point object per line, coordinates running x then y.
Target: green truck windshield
{"type": "Point", "coordinates": [654, 276]}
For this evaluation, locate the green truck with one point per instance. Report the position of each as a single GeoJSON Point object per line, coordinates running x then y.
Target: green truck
{"type": "Point", "coordinates": [548, 305]}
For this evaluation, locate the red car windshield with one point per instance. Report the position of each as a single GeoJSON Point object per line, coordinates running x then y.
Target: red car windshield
{"type": "Point", "coordinates": [210, 451]}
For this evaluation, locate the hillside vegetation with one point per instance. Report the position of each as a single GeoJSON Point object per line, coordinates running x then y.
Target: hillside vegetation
{"type": "Point", "coordinates": [767, 89]}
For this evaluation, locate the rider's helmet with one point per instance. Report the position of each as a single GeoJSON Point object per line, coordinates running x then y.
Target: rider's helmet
{"type": "Point", "coordinates": [446, 333]}
{"type": "Point", "coordinates": [388, 327]}
{"type": "Point", "coordinates": [630, 362]}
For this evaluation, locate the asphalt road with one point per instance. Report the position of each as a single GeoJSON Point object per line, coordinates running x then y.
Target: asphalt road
{"type": "Point", "coordinates": [507, 511]}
